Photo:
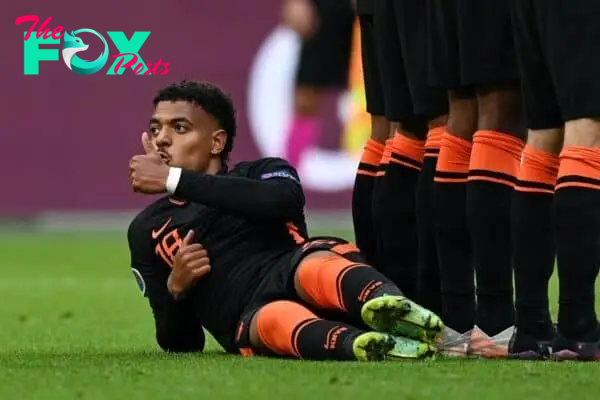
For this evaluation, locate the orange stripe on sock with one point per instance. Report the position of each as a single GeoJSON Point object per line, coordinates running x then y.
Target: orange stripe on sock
{"type": "Point", "coordinates": [495, 158]}
{"type": "Point", "coordinates": [453, 160]}
{"type": "Point", "coordinates": [407, 152]}
{"type": "Point", "coordinates": [385, 158]}
{"type": "Point", "coordinates": [434, 141]}
{"type": "Point", "coordinates": [538, 171]}
{"type": "Point", "coordinates": [579, 167]}
{"type": "Point", "coordinates": [372, 152]}
{"type": "Point", "coordinates": [366, 173]}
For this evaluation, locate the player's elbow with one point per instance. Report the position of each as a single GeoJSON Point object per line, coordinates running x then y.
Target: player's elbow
{"type": "Point", "coordinates": [175, 344]}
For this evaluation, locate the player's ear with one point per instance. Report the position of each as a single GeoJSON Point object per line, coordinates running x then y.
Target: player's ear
{"type": "Point", "coordinates": [219, 139]}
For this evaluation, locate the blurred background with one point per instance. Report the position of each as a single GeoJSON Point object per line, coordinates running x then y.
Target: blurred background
{"type": "Point", "coordinates": [69, 137]}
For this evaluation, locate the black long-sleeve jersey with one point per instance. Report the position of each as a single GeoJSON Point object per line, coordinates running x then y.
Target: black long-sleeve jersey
{"type": "Point", "coordinates": [247, 219]}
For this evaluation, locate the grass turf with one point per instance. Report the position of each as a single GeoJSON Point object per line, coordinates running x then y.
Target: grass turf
{"type": "Point", "coordinates": [73, 325]}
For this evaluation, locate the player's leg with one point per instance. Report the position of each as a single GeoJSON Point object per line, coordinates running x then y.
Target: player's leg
{"type": "Point", "coordinates": [330, 281]}
{"type": "Point", "coordinates": [428, 275]}
{"type": "Point", "coordinates": [449, 189]}
{"type": "Point", "coordinates": [362, 196]}
{"type": "Point", "coordinates": [577, 198]}
{"type": "Point", "coordinates": [323, 66]}
{"type": "Point", "coordinates": [288, 329]}
{"type": "Point", "coordinates": [395, 190]}
{"type": "Point", "coordinates": [428, 116]}
{"type": "Point", "coordinates": [490, 64]}
{"type": "Point", "coordinates": [531, 213]}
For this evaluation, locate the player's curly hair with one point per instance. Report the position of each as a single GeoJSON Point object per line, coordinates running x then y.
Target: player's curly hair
{"type": "Point", "coordinates": [212, 100]}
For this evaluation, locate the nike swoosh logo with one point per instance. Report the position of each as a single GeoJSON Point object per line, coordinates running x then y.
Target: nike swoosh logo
{"type": "Point", "coordinates": [156, 233]}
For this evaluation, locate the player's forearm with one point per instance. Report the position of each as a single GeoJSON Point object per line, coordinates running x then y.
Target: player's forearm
{"type": "Point", "coordinates": [238, 195]}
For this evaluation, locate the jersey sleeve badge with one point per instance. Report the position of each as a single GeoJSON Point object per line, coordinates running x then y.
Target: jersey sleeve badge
{"type": "Point", "coordinates": [139, 279]}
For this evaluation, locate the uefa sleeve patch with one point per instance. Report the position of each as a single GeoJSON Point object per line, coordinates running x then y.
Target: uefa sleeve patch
{"type": "Point", "coordinates": [279, 174]}
{"type": "Point", "coordinates": [139, 279]}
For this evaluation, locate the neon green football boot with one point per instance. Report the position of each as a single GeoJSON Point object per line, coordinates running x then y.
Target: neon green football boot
{"type": "Point", "coordinates": [402, 317]}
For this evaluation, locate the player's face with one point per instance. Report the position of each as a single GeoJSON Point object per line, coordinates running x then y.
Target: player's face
{"type": "Point", "coordinates": [185, 135]}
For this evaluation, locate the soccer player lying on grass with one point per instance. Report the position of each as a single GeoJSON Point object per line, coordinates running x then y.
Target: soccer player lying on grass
{"type": "Point", "coordinates": [268, 288]}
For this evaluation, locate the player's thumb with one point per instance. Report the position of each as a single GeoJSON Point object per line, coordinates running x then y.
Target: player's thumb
{"type": "Point", "coordinates": [187, 240]}
{"type": "Point", "coordinates": [147, 143]}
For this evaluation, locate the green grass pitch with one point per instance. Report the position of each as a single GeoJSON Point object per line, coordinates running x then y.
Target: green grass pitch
{"type": "Point", "coordinates": [73, 325]}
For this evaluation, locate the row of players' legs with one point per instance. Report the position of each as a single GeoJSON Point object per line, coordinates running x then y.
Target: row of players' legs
{"type": "Point", "coordinates": [465, 216]}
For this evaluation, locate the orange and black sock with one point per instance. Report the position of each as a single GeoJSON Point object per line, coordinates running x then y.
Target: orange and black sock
{"type": "Point", "coordinates": [378, 206]}
{"type": "Point", "coordinates": [398, 246]}
{"type": "Point", "coordinates": [333, 282]}
{"type": "Point", "coordinates": [533, 241]}
{"type": "Point", "coordinates": [428, 275]}
{"type": "Point", "coordinates": [452, 235]}
{"type": "Point", "coordinates": [362, 200]}
{"type": "Point", "coordinates": [288, 329]}
{"type": "Point", "coordinates": [493, 173]}
{"type": "Point", "coordinates": [577, 227]}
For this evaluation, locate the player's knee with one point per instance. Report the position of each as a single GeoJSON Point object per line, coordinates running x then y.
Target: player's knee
{"type": "Point", "coordinates": [500, 109]}
{"type": "Point", "coordinates": [548, 140]}
{"type": "Point", "coordinates": [462, 119]}
{"type": "Point", "coordinates": [583, 132]}
{"type": "Point", "coordinates": [273, 326]}
{"type": "Point", "coordinates": [414, 127]}
{"type": "Point", "coordinates": [380, 128]}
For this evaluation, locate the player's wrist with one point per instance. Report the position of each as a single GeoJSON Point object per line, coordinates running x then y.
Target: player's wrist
{"type": "Point", "coordinates": [173, 179]}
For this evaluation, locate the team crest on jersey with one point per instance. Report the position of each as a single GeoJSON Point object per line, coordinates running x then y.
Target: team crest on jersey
{"type": "Point", "coordinates": [139, 279]}
{"type": "Point", "coordinates": [279, 174]}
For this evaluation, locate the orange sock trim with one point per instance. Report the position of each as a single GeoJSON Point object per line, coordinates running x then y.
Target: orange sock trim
{"type": "Point", "coordinates": [385, 158]}
{"type": "Point", "coordinates": [407, 152]}
{"type": "Point", "coordinates": [453, 160]}
{"type": "Point", "coordinates": [279, 323]}
{"type": "Point", "coordinates": [495, 158]}
{"type": "Point", "coordinates": [371, 157]}
{"type": "Point", "coordinates": [320, 277]}
{"type": "Point", "coordinates": [434, 141]}
{"type": "Point", "coordinates": [538, 171]}
{"type": "Point", "coordinates": [579, 167]}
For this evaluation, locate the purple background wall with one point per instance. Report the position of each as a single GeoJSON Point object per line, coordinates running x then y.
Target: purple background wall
{"type": "Point", "coordinates": [67, 138]}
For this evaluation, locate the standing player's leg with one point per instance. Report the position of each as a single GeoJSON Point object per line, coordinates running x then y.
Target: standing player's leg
{"type": "Point", "coordinates": [330, 281]}
{"type": "Point", "coordinates": [427, 116]}
{"type": "Point", "coordinates": [577, 198]}
{"type": "Point", "coordinates": [394, 198]}
{"type": "Point", "coordinates": [489, 63]}
{"type": "Point", "coordinates": [362, 196]}
{"type": "Point", "coordinates": [323, 66]}
{"type": "Point", "coordinates": [532, 219]}
{"type": "Point", "coordinates": [449, 188]}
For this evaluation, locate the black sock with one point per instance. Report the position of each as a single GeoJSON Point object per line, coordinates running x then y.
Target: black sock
{"type": "Point", "coordinates": [397, 219]}
{"type": "Point", "coordinates": [321, 339]}
{"type": "Point", "coordinates": [428, 277]}
{"type": "Point", "coordinates": [533, 241]}
{"type": "Point", "coordinates": [577, 223]}
{"type": "Point", "coordinates": [493, 170]}
{"type": "Point", "coordinates": [452, 235]}
{"type": "Point", "coordinates": [362, 283]}
{"type": "Point", "coordinates": [362, 200]}
{"type": "Point", "coordinates": [380, 204]}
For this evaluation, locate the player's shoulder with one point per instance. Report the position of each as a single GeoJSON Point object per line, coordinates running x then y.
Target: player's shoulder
{"type": "Point", "coordinates": [266, 168]}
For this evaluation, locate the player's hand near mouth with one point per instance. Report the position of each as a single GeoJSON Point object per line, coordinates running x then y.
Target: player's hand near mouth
{"type": "Point", "coordinates": [148, 172]}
